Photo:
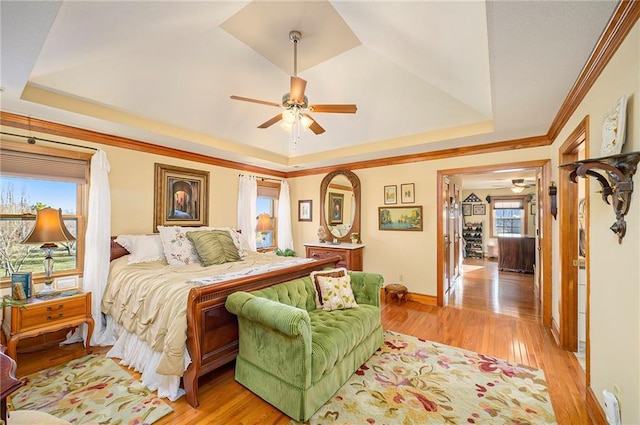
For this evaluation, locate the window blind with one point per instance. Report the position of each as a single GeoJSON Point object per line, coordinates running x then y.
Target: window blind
{"type": "Point", "coordinates": [45, 167]}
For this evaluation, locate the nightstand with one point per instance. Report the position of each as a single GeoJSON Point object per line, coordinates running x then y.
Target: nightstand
{"type": "Point", "coordinates": [39, 316]}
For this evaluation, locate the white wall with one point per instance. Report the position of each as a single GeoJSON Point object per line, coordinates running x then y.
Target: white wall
{"type": "Point", "coordinates": [615, 270]}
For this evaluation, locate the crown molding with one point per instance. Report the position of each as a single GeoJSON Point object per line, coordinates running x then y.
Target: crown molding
{"type": "Point", "coordinates": [62, 130]}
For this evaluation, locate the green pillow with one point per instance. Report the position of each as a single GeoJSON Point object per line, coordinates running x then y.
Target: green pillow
{"type": "Point", "coordinates": [214, 246]}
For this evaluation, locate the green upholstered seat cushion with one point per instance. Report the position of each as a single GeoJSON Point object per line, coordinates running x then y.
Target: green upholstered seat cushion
{"type": "Point", "coordinates": [214, 246]}
{"type": "Point", "coordinates": [336, 333]}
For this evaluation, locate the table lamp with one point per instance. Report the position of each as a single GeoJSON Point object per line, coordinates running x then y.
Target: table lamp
{"type": "Point", "coordinates": [264, 225]}
{"type": "Point", "coordinates": [49, 228]}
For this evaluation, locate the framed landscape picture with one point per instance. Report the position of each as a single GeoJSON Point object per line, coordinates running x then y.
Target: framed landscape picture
{"type": "Point", "coordinates": [400, 218]}
{"type": "Point", "coordinates": [181, 197]}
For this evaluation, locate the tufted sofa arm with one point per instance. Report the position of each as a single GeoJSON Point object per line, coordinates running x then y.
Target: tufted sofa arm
{"type": "Point", "coordinates": [272, 314]}
{"type": "Point", "coordinates": [366, 287]}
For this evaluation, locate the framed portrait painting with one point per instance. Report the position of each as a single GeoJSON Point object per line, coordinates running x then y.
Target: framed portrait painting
{"type": "Point", "coordinates": [181, 197]}
{"type": "Point", "coordinates": [336, 205]}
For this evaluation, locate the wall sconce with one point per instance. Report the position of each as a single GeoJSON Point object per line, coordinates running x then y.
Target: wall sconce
{"type": "Point", "coordinates": [488, 199]}
{"type": "Point", "coordinates": [553, 192]}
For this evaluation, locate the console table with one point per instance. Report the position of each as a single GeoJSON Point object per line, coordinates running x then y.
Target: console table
{"type": "Point", "coordinates": [517, 254]}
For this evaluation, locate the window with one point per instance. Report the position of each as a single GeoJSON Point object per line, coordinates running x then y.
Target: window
{"type": "Point", "coordinates": [30, 181]}
{"type": "Point", "coordinates": [267, 202]}
{"type": "Point", "coordinates": [508, 216]}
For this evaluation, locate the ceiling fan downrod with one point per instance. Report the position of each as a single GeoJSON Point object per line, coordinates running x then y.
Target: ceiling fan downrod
{"type": "Point", "coordinates": [295, 36]}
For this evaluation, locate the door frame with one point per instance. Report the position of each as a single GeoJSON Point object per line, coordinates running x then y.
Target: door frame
{"type": "Point", "coordinates": [568, 241]}
{"type": "Point", "coordinates": [545, 231]}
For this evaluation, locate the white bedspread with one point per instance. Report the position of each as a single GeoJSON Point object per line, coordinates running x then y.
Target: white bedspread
{"type": "Point", "coordinates": [148, 302]}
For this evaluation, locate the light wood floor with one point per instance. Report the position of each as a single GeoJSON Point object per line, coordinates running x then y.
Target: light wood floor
{"type": "Point", "coordinates": [515, 334]}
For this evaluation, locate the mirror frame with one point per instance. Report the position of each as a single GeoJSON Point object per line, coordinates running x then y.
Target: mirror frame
{"type": "Point", "coordinates": [324, 186]}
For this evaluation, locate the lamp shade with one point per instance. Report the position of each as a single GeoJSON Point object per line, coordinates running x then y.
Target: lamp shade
{"type": "Point", "coordinates": [49, 228]}
{"type": "Point", "coordinates": [264, 223]}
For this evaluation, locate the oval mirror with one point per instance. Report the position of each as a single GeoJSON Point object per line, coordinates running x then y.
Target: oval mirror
{"type": "Point", "coordinates": [340, 205]}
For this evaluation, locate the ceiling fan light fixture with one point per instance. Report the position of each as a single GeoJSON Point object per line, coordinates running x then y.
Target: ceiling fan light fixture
{"type": "Point", "coordinates": [306, 122]}
{"type": "Point", "coordinates": [289, 116]}
{"type": "Point", "coordinates": [286, 126]}
{"type": "Point", "coordinates": [517, 189]}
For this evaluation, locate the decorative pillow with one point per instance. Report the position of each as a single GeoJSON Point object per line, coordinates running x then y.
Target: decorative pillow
{"type": "Point", "coordinates": [178, 249]}
{"type": "Point", "coordinates": [214, 246]}
{"type": "Point", "coordinates": [235, 236]}
{"type": "Point", "coordinates": [326, 273]}
{"type": "Point", "coordinates": [142, 248]}
{"type": "Point", "coordinates": [336, 293]}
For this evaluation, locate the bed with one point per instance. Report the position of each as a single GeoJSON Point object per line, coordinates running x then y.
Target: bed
{"type": "Point", "coordinates": [211, 331]}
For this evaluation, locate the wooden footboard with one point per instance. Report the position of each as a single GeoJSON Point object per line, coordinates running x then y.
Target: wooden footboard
{"type": "Point", "coordinates": [212, 332]}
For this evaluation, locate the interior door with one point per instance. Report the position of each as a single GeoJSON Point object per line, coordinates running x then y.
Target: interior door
{"type": "Point", "coordinates": [456, 231]}
{"type": "Point", "coordinates": [446, 234]}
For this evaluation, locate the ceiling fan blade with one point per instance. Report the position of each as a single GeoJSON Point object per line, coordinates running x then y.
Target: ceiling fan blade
{"type": "Point", "coordinates": [338, 109]}
{"type": "Point", "coordinates": [271, 122]}
{"type": "Point", "coordinates": [262, 102]}
{"type": "Point", "coordinates": [315, 127]}
{"type": "Point", "coordinates": [297, 90]}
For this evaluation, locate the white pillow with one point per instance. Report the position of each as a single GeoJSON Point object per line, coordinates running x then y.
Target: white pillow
{"type": "Point", "coordinates": [336, 293]}
{"type": "Point", "coordinates": [142, 248]}
{"type": "Point", "coordinates": [339, 272]}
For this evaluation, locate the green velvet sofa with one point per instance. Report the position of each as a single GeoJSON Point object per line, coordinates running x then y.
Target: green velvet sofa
{"type": "Point", "coordinates": [296, 356]}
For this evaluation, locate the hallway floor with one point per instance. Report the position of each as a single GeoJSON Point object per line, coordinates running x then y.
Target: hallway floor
{"type": "Point", "coordinates": [483, 287]}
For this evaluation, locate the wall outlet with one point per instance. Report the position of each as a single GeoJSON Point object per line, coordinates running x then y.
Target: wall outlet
{"type": "Point", "coordinates": [611, 408]}
{"type": "Point", "coordinates": [401, 278]}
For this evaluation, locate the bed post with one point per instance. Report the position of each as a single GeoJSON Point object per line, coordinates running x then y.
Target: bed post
{"type": "Point", "coordinates": [194, 330]}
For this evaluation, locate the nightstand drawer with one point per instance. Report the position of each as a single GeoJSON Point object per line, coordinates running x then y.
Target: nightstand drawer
{"type": "Point", "coordinates": [37, 316]}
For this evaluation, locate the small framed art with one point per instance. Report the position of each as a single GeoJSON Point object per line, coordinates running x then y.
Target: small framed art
{"type": "Point", "coordinates": [407, 191]}
{"type": "Point", "coordinates": [390, 194]}
{"type": "Point", "coordinates": [66, 283]}
{"type": "Point", "coordinates": [305, 210]}
{"type": "Point", "coordinates": [479, 209]}
{"type": "Point", "coordinates": [466, 209]}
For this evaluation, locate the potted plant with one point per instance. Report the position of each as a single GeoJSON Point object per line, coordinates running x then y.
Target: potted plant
{"type": "Point", "coordinates": [355, 237]}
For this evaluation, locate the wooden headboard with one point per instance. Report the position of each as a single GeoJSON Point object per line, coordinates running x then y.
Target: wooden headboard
{"type": "Point", "coordinates": [117, 250]}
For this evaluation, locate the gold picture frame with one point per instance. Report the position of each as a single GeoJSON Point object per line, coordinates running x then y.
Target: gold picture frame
{"type": "Point", "coordinates": [408, 218]}
{"type": "Point", "coordinates": [181, 197]}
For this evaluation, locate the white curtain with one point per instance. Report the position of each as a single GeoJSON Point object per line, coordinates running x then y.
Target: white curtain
{"type": "Point", "coordinates": [98, 245]}
{"type": "Point", "coordinates": [285, 235]}
{"type": "Point", "coordinates": [247, 210]}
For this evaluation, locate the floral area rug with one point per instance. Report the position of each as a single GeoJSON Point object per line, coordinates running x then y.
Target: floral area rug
{"type": "Point", "coordinates": [413, 381]}
{"type": "Point", "coordinates": [90, 390]}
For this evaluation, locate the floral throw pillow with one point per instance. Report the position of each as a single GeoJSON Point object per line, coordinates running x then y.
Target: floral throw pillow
{"type": "Point", "coordinates": [339, 272]}
{"type": "Point", "coordinates": [336, 293]}
{"type": "Point", "coordinates": [178, 249]}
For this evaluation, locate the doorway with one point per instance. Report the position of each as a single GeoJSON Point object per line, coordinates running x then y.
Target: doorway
{"type": "Point", "coordinates": [543, 252]}
{"type": "Point", "coordinates": [574, 249]}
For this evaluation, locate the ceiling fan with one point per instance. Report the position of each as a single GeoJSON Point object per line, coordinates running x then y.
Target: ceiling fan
{"type": "Point", "coordinates": [295, 103]}
{"type": "Point", "coordinates": [521, 184]}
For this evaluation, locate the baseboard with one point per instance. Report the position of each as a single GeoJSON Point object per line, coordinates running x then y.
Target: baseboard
{"type": "Point", "coordinates": [415, 297]}
{"type": "Point", "coordinates": [423, 299]}
{"type": "Point", "coordinates": [594, 410]}
{"type": "Point", "coordinates": [555, 330]}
